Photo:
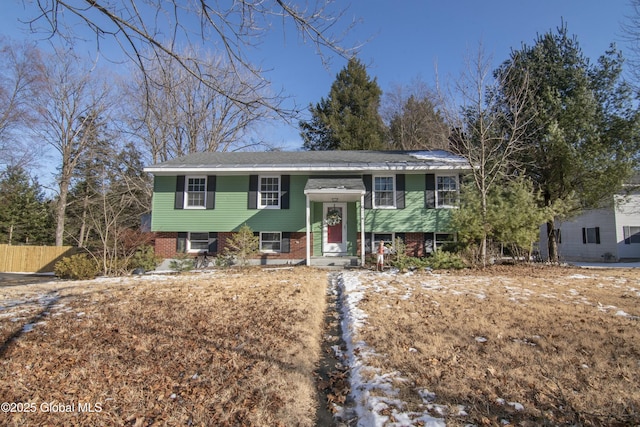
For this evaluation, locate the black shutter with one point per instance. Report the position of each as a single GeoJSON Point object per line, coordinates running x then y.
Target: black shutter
{"type": "Point", "coordinates": [285, 183]}
{"type": "Point", "coordinates": [598, 235]}
{"type": "Point", "coordinates": [179, 200]}
{"type": "Point", "coordinates": [584, 235]}
{"type": "Point", "coordinates": [627, 235]}
{"type": "Point", "coordinates": [368, 201]}
{"type": "Point", "coordinates": [430, 191]}
{"type": "Point", "coordinates": [428, 243]}
{"type": "Point", "coordinates": [400, 191]}
{"type": "Point", "coordinates": [213, 243]}
{"type": "Point", "coordinates": [285, 242]}
{"type": "Point", "coordinates": [181, 242]}
{"type": "Point", "coordinates": [211, 192]}
{"type": "Point", "coordinates": [253, 192]}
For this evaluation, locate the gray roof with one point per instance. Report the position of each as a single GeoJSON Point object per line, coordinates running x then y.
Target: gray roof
{"type": "Point", "coordinates": [311, 161]}
{"type": "Point", "coordinates": [334, 183]}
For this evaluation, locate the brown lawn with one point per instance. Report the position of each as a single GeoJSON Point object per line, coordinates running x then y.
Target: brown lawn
{"type": "Point", "coordinates": [229, 348]}
{"type": "Point", "coordinates": [517, 345]}
{"type": "Point", "coordinates": [240, 348]}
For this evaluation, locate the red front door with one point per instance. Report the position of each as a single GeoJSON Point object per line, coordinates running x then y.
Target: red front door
{"type": "Point", "coordinates": [334, 232]}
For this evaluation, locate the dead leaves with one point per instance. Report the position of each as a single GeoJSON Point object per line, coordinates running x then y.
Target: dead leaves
{"type": "Point", "coordinates": [237, 350]}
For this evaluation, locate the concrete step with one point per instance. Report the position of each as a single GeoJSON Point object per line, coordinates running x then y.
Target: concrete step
{"type": "Point", "coordinates": [335, 261]}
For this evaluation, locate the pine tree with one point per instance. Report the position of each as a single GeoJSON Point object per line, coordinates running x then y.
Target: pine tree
{"type": "Point", "coordinates": [583, 139]}
{"type": "Point", "coordinates": [348, 118]}
{"type": "Point", "coordinates": [25, 216]}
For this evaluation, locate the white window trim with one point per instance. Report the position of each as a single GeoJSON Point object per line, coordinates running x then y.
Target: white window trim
{"type": "Point", "coordinates": [189, 249]}
{"type": "Point", "coordinates": [269, 251]}
{"type": "Point", "coordinates": [186, 192]}
{"type": "Point", "coordinates": [373, 192]}
{"type": "Point", "coordinates": [457, 190]}
{"type": "Point", "coordinates": [375, 243]}
{"type": "Point", "coordinates": [259, 201]}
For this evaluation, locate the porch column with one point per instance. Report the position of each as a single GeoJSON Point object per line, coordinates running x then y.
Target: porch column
{"type": "Point", "coordinates": [362, 230]}
{"type": "Point", "coordinates": [308, 228]}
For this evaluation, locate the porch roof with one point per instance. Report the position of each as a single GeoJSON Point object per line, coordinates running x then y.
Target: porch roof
{"type": "Point", "coordinates": [334, 189]}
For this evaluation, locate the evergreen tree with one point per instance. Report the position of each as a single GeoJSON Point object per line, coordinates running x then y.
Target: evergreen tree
{"type": "Point", "coordinates": [348, 119]}
{"type": "Point", "coordinates": [513, 216]}
{"type": "Point", "coordinates": [25, 216]}
{"type": "Point", "coordinates": [582, 138]}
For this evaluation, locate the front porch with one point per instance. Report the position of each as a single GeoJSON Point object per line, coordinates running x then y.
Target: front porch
{"type": "Point", "coordinates": [335, 194]}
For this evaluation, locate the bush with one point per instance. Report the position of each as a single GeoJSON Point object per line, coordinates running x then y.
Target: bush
{"type": "Point", "coordinates": [144, 258]}
{"type": "Point", "coordinates": [442, 260]}
{"type": "Point", "coordinates": [242, 245]}
{"type": "Point", "coordinates": [76, 267]}
{"type": "Point", "coordinates": [182, 262]}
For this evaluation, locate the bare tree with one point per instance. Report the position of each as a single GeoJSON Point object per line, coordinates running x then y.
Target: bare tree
{"type": "Point", "coordinates": [413, 119]}
{"type": "Point", "coordinates": [72, 102]}
{"type": "Point", "coordinates": [486, 131]}
{"type": "Point", "coordinates": [631, 33]}
{"type": "Point", "coordinates": [181, 115]}
{"type": "Point", "coordinates": [20, 79]}
{"type": "Point", "coordinates": [151, 29]}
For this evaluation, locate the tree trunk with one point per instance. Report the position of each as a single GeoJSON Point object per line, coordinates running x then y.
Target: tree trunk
{"type": "Point", "coordinates": [552, 244]}
{"type": "Point", "coordinates": [61, 210]}
{"type": "Point", "coordinates": [83, 222]}
{"type": "Point", "coordinates": [483, 244]}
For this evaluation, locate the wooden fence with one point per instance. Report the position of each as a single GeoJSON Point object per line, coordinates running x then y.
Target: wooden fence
{"type": "Point", "coordinates": [32, 259]}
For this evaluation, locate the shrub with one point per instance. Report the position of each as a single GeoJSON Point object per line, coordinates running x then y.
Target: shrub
{"type": "Point", "coordinates": [242, 245]}
{"type": "Point", "coordinates": [182, 262]}
{"type": "Point", "coordinates": [144, 258]}
{"type": "Point", "coordinates": [76, 267]}
{"type": "Point", "coordinates": [441, 260]}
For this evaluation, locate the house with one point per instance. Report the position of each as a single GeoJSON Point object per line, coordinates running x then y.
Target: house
{"type": "Point", "coordinates": [607, 234]}
{"type": "Point", "coordinates": [305, 204]}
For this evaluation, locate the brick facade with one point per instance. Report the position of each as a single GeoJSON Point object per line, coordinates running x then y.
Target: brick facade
{"type": "Point", "coordinates": [166, 244]}
{"type": "Point", "coordinates": [415, 244]}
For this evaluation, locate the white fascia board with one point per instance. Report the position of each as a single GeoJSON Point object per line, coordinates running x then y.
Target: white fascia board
{"type": "Point", "coordinates": [334, 191]}
{"type": "Point", "coordinates": [302, 170]}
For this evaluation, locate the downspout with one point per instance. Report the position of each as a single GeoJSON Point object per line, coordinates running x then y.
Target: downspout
{"type": "Point", "coordinates": [362, 230]}
{"type": "Point", "coordinates": [308, 228]}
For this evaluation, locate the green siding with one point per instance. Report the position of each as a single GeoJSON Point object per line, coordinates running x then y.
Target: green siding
{"type": "Point", "coordinates": [231, 211]}
{"type": "Point", "coordinates": [413, 218]}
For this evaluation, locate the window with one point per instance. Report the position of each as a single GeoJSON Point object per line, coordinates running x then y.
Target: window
{"type": "Point", "coordinates": [438, 241]}
{"type": "Point", "coordinates": [631, 234]}
{"type": "Point", "coordinates": [383, 192]}
{"type": "Point", "coordinates": [376, 237]}
{"type": "Point", "coordinates": [196, 192]}
{"type": "Point", "coordinates": [270, 241]}
{"type": "Point", "coordinates": [443, 240]}
{"type": "Point", "coordinates": [591, 235]}
{"type": "Point", "coordinates": [446, 191]}
{"type": "Point", "coordinates": [198, 242]}
{"type": "Point", "coordinates": [269, 192]}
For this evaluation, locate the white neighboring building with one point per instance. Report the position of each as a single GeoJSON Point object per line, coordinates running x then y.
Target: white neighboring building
{"type": "Point", "coordinates": [606, 235]}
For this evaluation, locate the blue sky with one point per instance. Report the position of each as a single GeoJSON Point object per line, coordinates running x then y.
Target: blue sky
{"type": "Point", "coordinates": [407, 38]}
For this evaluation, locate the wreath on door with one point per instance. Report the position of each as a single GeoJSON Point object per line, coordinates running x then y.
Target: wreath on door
{"type": "Point", "coordinates": [333, 217]}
